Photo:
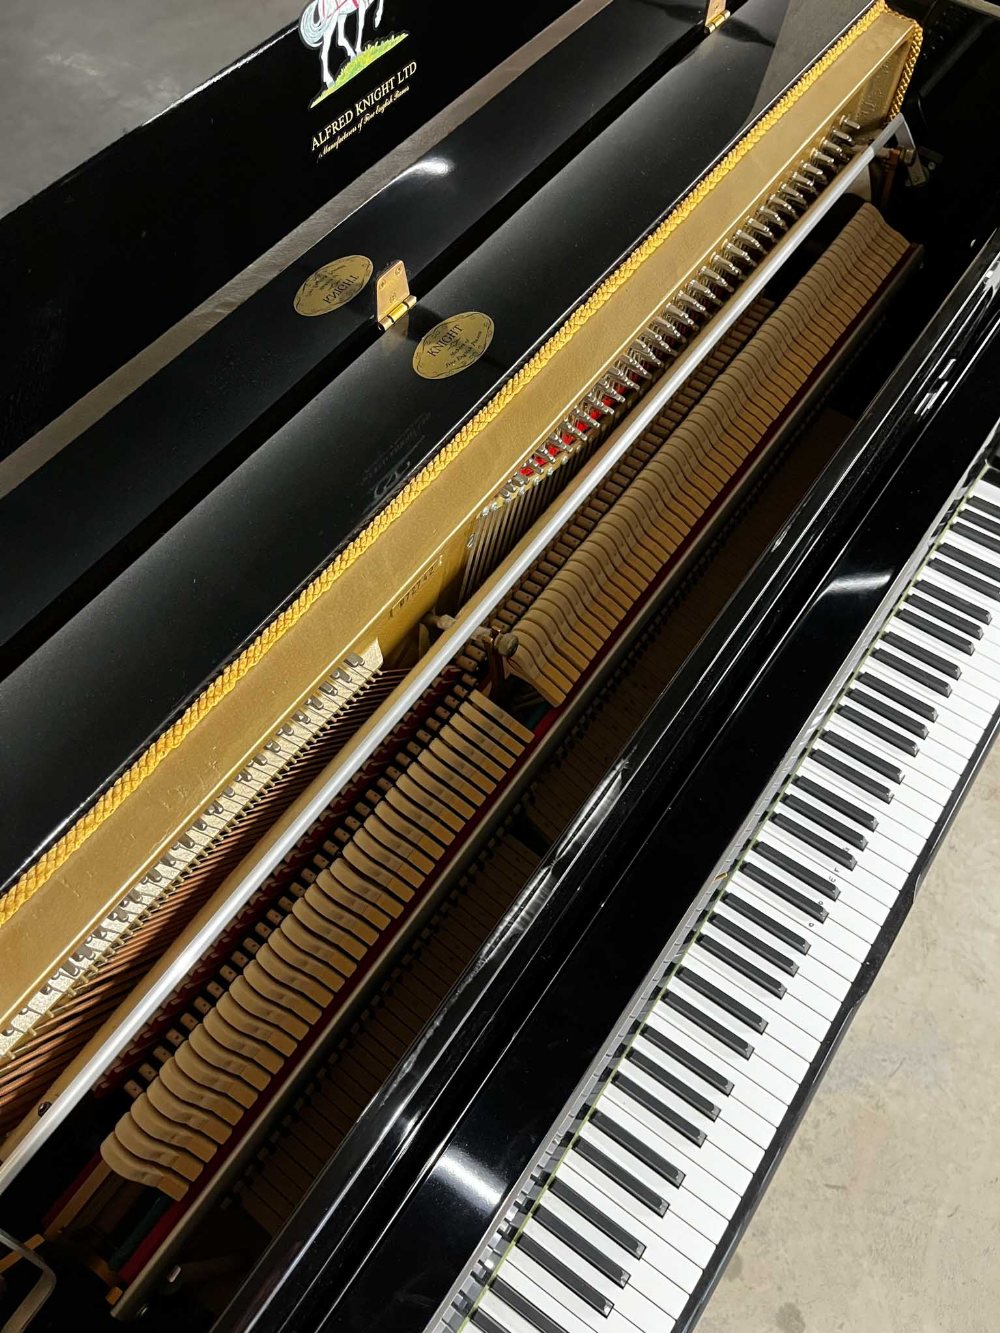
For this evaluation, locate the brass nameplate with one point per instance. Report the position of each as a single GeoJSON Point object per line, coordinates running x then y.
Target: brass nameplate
{"type": "Point", "coordinates": [453, 345]}
{"type": "Point", "coordinates": [334, 285]}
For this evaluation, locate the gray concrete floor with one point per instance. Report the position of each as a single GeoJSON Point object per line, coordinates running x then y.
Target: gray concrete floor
{"type": "Point", "coordinates": [884, 1216]}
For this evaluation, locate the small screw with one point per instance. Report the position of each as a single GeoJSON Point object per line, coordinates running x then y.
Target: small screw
{"type": "Point", "coordinates": [43, 1107]}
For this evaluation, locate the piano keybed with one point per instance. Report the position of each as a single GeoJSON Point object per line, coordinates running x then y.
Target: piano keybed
{"type": "Point", "coordinates": [634, 1204]}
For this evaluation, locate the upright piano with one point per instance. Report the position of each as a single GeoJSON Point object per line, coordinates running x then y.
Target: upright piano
{"type": "Point", "coordinates": [475, 719]}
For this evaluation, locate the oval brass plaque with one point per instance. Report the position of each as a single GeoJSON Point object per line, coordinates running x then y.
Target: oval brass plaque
{"type": "Point", "coordinates": [334, 285]}
{"type": "Point", "coordinates": [453, 345]}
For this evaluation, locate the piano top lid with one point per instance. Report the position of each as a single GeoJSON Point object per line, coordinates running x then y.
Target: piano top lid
{"type": "Point", "coordinates": [225, 567]}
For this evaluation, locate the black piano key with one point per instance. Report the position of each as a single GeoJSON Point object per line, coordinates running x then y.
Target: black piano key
{"type": "Point", "coordinates": [622, 1178]}
{"type": "Point", "coordinates": [879, 729]}
{"type": "Point", "coordinates": [905, 668]}
{"type": "Point", "coordinates": [675, 1084]}
{"type": "Point", "coordinates": [974, 533]}
{"type": "Point", "coordinates": [959, 575]}
{"type": "Point", "coordinates": [935, 631]}
{"type": "Point", "coordinates": [976, 516]}
{"type": "Point", "coordinates": [860, 780]}
{"type": "Point", "coordinates": [893, 715]}
{"type": "Point", "coordinates": [564, 1274]}
{"type": "Point", "coordinates": [899, 696]}
{"type": "Point", "coordinates": [750, 941]}
{"type": "Point", "coordinates": [811, 877]}
{"type": "Point", "coordinates": [825, 820]}
{"type": "Point", "coordinates": [579, 1245]}
{"type": "Point", "coordinates": [986, 568]}
{"type": "Point", "coordinates": [660, 1109]}
{"type": "Point", "coordinates": [521, 1305]}
{"type": "Point", "coordinates": [732, 1007]}
{"type": "Point", "coordinates": [837, 802]}
{"type": "Point", "coordinates": [947, 617]}
{"type": "Point", "coordinates": [597, 1219]}
{"type": "Point", "coordinates": [708, 1024]}
{"type": "Point", "coordinates": [983, 505]}
{"type": "Point", "coordinates": [793, 897]}
{"type": "Point", "coordinates": [776, 928]}
{"type": "Point", "coordinates": [953, 600]}
{"type": "Point", "coordinates": [816, 841]}
{"type": "Point", "coordinates": [642, 1152]}
{"type": "Point", "coordinates": [740, 964]}
{"type": "Point", "coordinates": [480, 1319]}
{"type": "Point", "coordinates": [710, 1076]}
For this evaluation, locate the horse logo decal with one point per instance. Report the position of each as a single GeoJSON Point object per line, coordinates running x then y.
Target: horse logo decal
{"type": "Point", "coordinates": [324, 20]}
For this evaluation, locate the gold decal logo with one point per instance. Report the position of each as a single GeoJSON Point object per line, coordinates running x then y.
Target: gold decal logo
{"type": "Point", "coordinates": [453, 345]}
{"type": "Point", "coordinates": [334, 285]}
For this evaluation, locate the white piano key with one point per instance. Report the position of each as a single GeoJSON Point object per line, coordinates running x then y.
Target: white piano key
{"type": "Point", "coordinates": [765, 1044]}
{"type": "Point", "coordinates": [859, 912]}
{"type": "Point", "coordinates": [898, 824]}
{"type": "Point", "coordinates": [712, 1175]}
{"type": "Point", "coordinates": [874, 872]}
{"type": "Point", "coordinates": [671, 1232]}
{"type": "Point", "coordinates": [505, 1317]}
{"type": "Point", "coordinates": [956, 715]}
{"type": "Point", "coordinates": [862, 903]}
{"type": "Point", "coordinates": [974, 683]}
{"type": "Point", "coordinates": [701, 1215]}
{"type": "Point", "coordinates": [788, 1021]}
{"type": "Point", "coordinates": [732, 1110]}
{"type": "Point", "coordinates": [810, 966]}
{"type": "Point", "coordinates": [530, 1280]}
{"type": "Point", "coordinates": [837, 945]}
{"type": "Point", "coordinates": [918, 772]}
{"type": "Point", "coordinates": [744, 1151]}
{"type": "Point", "coordinates": [635, 1301]}
{"type": "Point", "coordinates": [766, 1090]}
{"type": "Point", "coordinates": [800, 987]}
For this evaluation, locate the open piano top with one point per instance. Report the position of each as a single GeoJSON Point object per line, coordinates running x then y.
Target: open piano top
{"type": "Point", "coordinates": [482, 727]}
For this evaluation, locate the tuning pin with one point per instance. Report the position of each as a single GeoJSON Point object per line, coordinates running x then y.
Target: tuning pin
{"type": "Point", "coordinates": [683, 318]}
{"type": "Point", "coordinates": [773, 217]}
{"type": "Point", "coordinates": [790, 192]}
{"type": "Point", "coordinates": [730, 248]}
{"type": "Point", "coordinates": [671, 328]}
{"type": "Point", "coordinates": [704, 291]}
{"type": "Point", "coordinates": [783, 206]}
{"type": "Point", "coordinates": [692, 302]}
{"type": "Point", "coordinates": [743, 234]}
{"type": "Point", "coordinates": [762, 229]}
{"type": "Point", "coordinates": [800, 178]}
{"type": "Point", "coordinates": [851, 126]}
{"type": "Point", "coordinates": [713, 275]}
{"type": "Point", "coordinates": [825, 160]}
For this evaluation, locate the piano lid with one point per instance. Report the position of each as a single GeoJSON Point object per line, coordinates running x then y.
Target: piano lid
{"type": "Point", "coordinates": [100, 263]}
{"type": "Point", "coordinates": [138, 650]}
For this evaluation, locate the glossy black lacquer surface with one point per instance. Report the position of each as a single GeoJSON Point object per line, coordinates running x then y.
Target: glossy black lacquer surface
{"type": "Point", "coordinates": [399, 1214]}
{"type": "Point", "coordinates": [99, 264]}
{"type": "Point", "coordinates": [127, 479]}
{"type": "Point", "coordinates": [144, 646]}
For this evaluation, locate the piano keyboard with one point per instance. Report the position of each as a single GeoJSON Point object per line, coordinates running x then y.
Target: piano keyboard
{"type": "Point", "coordinates": [627, 1217]}
{"type": "Point", "coordinates": [633, 528]}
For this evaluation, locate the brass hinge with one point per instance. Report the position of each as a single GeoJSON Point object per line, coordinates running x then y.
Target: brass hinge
{"type": "Point", "coordinates": [393, 298]}
{"type": "Point", "coordinates": [717, 14]}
